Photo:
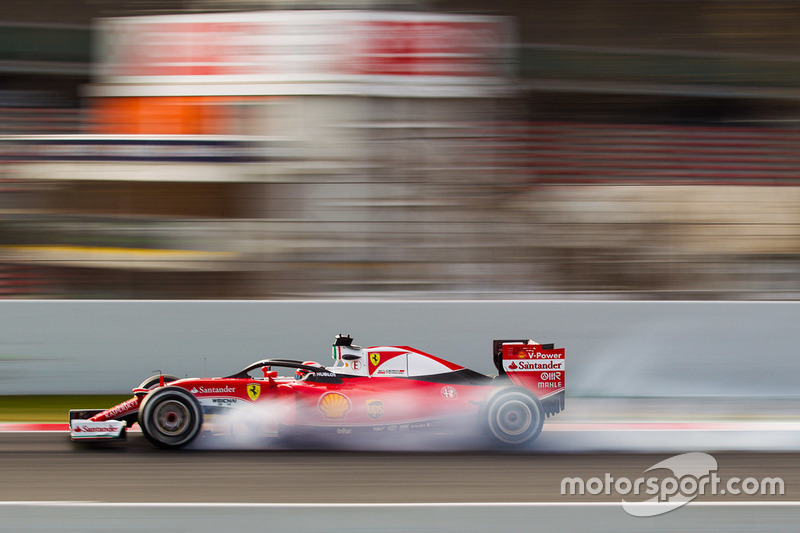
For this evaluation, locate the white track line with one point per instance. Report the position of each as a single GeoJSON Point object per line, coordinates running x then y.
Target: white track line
{"type": "Point", "coordinates": [472, 505]}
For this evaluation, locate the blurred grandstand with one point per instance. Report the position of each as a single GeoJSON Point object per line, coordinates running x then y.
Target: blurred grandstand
{"type": "Point", "coordinates": [576, 149]}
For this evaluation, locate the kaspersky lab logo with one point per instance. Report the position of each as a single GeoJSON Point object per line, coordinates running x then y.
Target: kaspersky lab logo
{"type": "Point", "coordinates": [693, 474]}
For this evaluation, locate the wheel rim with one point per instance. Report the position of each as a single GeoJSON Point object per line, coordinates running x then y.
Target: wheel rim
{"type": "Point", "coordinates": [172, 418]}
{"type": "Point", "coordinates": [514, 418]}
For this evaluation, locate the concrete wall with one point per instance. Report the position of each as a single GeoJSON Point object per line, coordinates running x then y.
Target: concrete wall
{"type": "Point", "coordinates": [613, 348]}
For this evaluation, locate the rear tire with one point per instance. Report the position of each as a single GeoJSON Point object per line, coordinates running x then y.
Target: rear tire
{"type": "Point", "coordinates": [170, 417]}
{"type": "Point", "coordinates": [513, 417]}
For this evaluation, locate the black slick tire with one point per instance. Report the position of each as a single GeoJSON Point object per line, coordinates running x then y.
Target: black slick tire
{"type": "Point", "coordinates": [513, 417]}
{"type": "Point", "coordinates": [170, 417]}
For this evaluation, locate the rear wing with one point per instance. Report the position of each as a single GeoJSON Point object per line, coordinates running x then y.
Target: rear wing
{"type": "Point", "coordinates": [540, 368]}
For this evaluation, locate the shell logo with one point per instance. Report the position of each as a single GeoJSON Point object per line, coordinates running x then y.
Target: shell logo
{"type": "Point", "coordinates": [334, 405]}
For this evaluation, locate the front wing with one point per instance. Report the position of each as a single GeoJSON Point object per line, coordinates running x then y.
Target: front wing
{"type": "Point", "coordinates": [83, 429]}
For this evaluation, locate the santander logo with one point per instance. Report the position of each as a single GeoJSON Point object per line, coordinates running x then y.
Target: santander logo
{"type": "Point", "coordinates": [528, 365]}
{"type": "Point", "coordinates": [93, 429]}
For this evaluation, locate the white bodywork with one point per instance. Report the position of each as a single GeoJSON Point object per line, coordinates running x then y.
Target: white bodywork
{"type": "Point", "coordinates": [86, 429]}
{"type": "Point", "coordinates": [392, 361]}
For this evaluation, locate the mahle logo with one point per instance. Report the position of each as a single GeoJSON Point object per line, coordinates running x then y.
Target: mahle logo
{"type": "Point", "coordinates": [693, 474]}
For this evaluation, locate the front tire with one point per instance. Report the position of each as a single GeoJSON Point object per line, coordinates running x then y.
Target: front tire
{"type": "Point", "coordinates": [153, 381]}
{"type": "Point", "coordinates": [170, 417]}
{"type": "Point", "coordinates": [150, 383]}
{"type": "Point", "coordinates": [513, 417]}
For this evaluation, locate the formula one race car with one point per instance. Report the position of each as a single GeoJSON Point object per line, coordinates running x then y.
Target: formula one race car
{"type": "Point", "coordinates": [381, 389]}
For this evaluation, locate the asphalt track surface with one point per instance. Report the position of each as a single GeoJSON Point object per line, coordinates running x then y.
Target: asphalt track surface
{"type": "Point", "coordinates": [48, 467]}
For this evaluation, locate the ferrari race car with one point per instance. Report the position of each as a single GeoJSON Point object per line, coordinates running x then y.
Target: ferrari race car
{"type": "Point", "coordinates": [380, 389]}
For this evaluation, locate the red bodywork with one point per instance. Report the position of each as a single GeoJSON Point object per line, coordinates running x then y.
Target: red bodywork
{"type": "Point", "coordinates": [376, 389]}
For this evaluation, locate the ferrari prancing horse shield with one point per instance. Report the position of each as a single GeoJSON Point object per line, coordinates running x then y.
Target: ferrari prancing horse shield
{"type": "Point", "coordinates": [374, 358]}
{"type": "Point", "coordinates": [254, 391]}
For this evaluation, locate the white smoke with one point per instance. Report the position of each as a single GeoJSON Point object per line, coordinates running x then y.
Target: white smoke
{"type": "Point", "coordinates": [255, 427]}
{"type": "Point", "coordinates": [251, 427]}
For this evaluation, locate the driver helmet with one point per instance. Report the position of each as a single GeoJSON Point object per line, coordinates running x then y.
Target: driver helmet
{"type": "Point", "coordinates": [300, 373]}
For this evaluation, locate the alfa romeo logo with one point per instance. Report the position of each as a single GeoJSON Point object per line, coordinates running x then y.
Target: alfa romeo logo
{"type": "Point", "coordinates": [449, 393]}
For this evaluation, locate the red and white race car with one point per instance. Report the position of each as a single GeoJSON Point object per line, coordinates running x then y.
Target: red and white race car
{"type": "Point", "coordinates": [377, 389]}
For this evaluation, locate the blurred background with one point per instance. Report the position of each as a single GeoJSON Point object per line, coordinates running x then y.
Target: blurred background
{"type": "Point", "coordinates": [400, 149]}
